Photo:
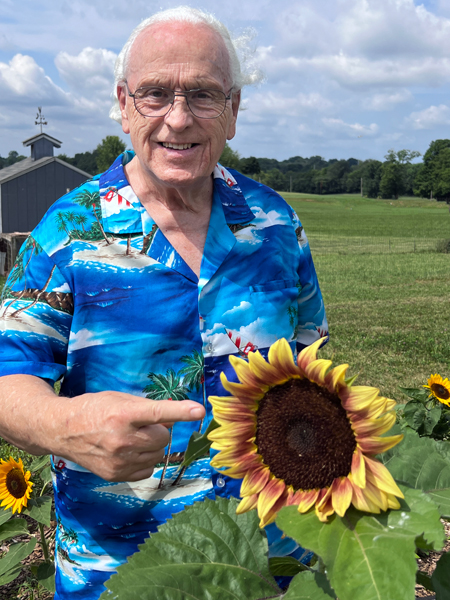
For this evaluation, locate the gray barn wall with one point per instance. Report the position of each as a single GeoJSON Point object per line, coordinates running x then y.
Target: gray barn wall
{"type": "Point", "coordinates": [26, 198]}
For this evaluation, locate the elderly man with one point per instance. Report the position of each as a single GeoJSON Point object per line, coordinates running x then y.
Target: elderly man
{"type": "Point", "coordinates": [145, 280]}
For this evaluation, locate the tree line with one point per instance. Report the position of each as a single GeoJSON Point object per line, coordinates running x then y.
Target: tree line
{"type": "Point", "coordinates": [396, 176]}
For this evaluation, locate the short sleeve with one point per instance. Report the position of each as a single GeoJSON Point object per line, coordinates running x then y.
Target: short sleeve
{"type": "Point", "coordinates": [35, 316]}
{"type": "Point", "coordinates": [312, 321]}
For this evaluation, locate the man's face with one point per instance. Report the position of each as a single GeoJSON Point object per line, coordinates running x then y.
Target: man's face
{"type": "Point", "coordinates": [179, 56]}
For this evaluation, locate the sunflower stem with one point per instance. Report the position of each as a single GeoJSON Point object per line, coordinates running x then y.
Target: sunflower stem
{"type": "Point", "coordinates": [44, 543]}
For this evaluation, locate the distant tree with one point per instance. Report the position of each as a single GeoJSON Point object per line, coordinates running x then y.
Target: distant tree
{"type": "Point", "coordinates": [395, 171]}
{"type": "Point", "coordinates": [275, 179]}
{"type": "Point", "coordinates": [433, 177]}
{"type": "Point", "coordinates": [250, 166]}
{"type": "Point", "coordinates": [11, 159]}
{"type": "Point", "coordinates": [108, 151]}
{"type": "Point", "coordinates": [86, 161]}
{"type": "Point", "coordinates": [230, 158]}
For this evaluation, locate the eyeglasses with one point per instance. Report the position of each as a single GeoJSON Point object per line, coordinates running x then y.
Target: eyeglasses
{"type": "Point", "coordinates": [155, 101]}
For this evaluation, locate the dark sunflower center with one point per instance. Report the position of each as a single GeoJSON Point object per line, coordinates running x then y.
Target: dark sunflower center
{"type": "Point", "coordinates": [440, 391]}
{"type": "Point", "coordinates": [303, 435]}
{"type": "Point", "coordinates": [15, 483]}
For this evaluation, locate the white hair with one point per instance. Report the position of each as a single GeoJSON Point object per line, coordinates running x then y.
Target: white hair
{"type": "Point", "coordinates": [240, 52]}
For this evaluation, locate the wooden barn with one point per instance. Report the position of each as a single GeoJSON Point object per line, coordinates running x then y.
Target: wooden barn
{"type": "Point", "coordinates": [29, 187]}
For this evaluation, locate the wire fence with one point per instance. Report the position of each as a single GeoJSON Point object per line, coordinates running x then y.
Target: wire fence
{"type": "Point", "coordinates": [375, 245]}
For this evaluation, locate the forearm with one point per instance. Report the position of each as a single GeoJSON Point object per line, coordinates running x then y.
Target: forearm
{"type": "Point", "coordinates": [29, 412]}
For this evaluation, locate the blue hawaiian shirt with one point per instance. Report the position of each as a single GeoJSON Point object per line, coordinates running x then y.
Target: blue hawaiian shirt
{"type": "Point", "coordinates": [99, 299]}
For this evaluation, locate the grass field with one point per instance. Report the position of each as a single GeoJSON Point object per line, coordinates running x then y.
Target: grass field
{"type": "Point", "coordinates": [388, 313]}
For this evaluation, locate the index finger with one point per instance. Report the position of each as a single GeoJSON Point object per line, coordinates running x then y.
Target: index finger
{"type": "Point", "coordinates": [166, 411]}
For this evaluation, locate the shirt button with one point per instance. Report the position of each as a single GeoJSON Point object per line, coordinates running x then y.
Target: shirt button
{"type": "Point", "coordinates": [220, 482]}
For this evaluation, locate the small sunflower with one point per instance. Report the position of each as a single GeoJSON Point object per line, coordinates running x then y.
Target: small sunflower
{"type": "Point", "coordinates": [439, 388]}
{"type": "Point", "coordinates": [298, 435]}
{"type": "Point", "coordinates": [15, 484]}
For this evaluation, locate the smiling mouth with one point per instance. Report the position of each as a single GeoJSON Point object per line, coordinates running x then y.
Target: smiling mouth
{"type": "Point", "coordinates": [177, 146]}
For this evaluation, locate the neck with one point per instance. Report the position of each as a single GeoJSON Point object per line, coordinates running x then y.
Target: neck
{"type": "Point", "coordinates": [192, 198]}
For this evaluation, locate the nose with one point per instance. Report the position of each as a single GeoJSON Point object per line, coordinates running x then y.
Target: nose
{"type": "Point", "coordinates": [179, 115]}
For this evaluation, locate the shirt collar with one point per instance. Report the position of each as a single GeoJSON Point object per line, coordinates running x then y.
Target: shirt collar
{"type": "Point", "coordinates": [123, 212]}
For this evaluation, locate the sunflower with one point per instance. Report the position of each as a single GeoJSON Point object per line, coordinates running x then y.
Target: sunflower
{"type": "Point", "coordinates": [15, 484]}
{"type": "Point", "coordinates": [299, 435]}
{"type": "Point", "coordinates": [439, 388]}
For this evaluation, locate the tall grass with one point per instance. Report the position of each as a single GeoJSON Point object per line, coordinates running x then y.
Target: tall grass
{"type": "Point", "coordinates": [388, 313]}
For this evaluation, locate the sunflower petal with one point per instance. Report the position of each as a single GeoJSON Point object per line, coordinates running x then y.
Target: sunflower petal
{"type": "Point", "coordinates": [378, 474]}
{"type": "Point", "coordinates": [263, 371]}
{"type": "Point", "coordinates": [317, 369]}
{"type": "Point", "coordinates": [305, 500]}
{"type": "Point", "coordinates": [229, 435]}
{"type": "Point", "coordinates": [244, 373]}
{"type": "Point", "coordinates": [362, 502]}
{"type": "Point", "coordinates": [324, 505]}
{"type": "Point", "coordinates": [377, 445]}
{"type": "Point", "coordinates": [270, 516]}
{"type": "Point", "coordinates": [247, 395]}
{"type": "Point", "coordinates": [246, 504]}
{"type": "Point", "coordinates": [269, 495]}
{"type": "Point", "coordinates": [358, 472]}
{"type": "Point", "coordinates": [358, 397]}
{"type": "Point", "coordinates": [280, 356]}
{"type": "Point", "coordinates": [341, 495]}
{"type": "Point", "coordinates": [369, 427]}
{"type": "Point", "coordinates": [308, 355]}
{"type": "Point", "coordinates": [255, 481]}
{"type": "Point", "coordinates": [336, 377]}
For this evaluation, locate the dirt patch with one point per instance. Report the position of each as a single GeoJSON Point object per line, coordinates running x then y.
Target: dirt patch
{"type": "Point", "coordinates": [427, 564]}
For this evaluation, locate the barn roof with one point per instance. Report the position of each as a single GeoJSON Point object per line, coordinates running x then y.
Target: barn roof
{"type": "Point", "coordinates": [39, 136]}
{"type": "Point", "coordinates": [28, 164]}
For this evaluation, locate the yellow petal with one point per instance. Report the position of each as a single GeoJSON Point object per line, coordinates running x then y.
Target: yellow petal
{"type": "Point", "coordinates": [377, 445]}
{"type": "Point", "coordinates": [361, 502]}
{"type": "Point", "coordinates": [263, 371]}
{"type": "Point", "coordinates": [341, 495]}
{"type": "Point", "coordinates": [358, 397]}
{"type": "Point", "coordinates": [378, 474]}
{"type": "Point", "coordinates": [271, 514]}
{"type": "Point", "coordinates": [231, 404]}
{"type": "Point", "coordinates": [230, 455]}
{"type": "Point", "coordinates": [230, 435]}
{"type": "Point", "coordinates": [270, 494]}
{"type": "Point", "coordinates": [255, 481]}
{"type": "Point", "coordinates": [324, 505]}
{"type": "Point", "coordinates": [247, 504]}
{"type": "Point", "coordinates": [369, 427]}
{"type": "Point", "coordinates": [244, 373]}
{"type": "Point", "coordinates": [308, 355]}
{"type": "Point", "coordinates": [336, 377]}
{"type": "Point", "coordinates": [358, 472]}
{"type": "Point", "coordinates": [317, 369]}
{"type": "Point", "coordinates": [305, 500]}
{"type": "Point", "coordinates": [247, 395]}
{"type": "Point", "coordinates": [280, 356]}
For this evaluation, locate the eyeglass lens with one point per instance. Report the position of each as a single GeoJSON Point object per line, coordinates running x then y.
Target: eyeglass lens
{"type": "Point", "coordinates": [156, 102]}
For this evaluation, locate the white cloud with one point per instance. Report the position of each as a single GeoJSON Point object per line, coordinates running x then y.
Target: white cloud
{"type": "Point", "coordinates": [92, 70]}
{"type": "Point", "coordinates": [351, 129]}
{"type": "Point", "coordinates": [387, 101]}
{"type": "Point", "coordinates": [430, 118]}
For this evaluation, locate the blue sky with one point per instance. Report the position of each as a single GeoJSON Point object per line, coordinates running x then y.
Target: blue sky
{"type": "Point", "coordinates": [344, 78]}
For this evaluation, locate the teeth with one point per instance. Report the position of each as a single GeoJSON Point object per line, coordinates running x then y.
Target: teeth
{"type": "Point", "coordinates": [177, 146]}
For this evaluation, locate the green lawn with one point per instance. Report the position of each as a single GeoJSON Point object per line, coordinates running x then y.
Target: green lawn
{"type": "Point", "coordinates": [389, 314]}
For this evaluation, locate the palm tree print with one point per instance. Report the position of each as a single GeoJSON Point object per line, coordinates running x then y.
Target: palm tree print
{"type": "Point", "coordinates": [165, 387]}
{"type": "Point", "coordinates": [70, 536]}
{"type": "Point", "coordinates": [19, 270]}
{"type": "Point", "coordinates": [91, 200]}
{"type": "Point", "coordinates": [36, 300]}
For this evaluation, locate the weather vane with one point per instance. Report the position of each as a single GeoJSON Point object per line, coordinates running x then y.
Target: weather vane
{"type": "Point", "coordinates": [41, 119]}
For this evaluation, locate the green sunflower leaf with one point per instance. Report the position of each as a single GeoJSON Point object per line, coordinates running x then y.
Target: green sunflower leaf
{"type": "Point", "coordinates": [285, 566]}
{"type": "Point", "coordinates": [422, 463]}
{"type": "Point", "coordinates": [377, 550]}
{"type": "Point", "coordinates": [441, 578]}
{"type": "Point", "coordinates": [39, 462]}
{"type": "Point", "coordinates": [203, 552]}
{"type": "Point", "coordinates": [416, 393]}
{"type": "Point", "coordinates": [5, 516]}
{"type": "Point", "coordinates": [198, 445]}
{"type": "Point", "coordinates": [10, 575]}
{"type": "Point", "coordinates": [15, 554]}
{"type": "Point", "coordinates": [40, 509]}
{"type": "Point", "coordinates": [309, 586]}
{"type": "Point", "coordinates": [12, 528]}
{"type": "Point", "coordinates": [45, 574]}
{"type": "Point", "coordinates": [46, 475]}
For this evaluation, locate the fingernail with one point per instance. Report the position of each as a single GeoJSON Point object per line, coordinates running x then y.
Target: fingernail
{"type": "Point", "coordinates": [197, 413]}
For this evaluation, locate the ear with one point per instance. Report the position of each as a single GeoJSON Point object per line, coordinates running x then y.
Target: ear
{"type": "Point", "coordinates": [235, 102]}
{"type": "Point", "coordinates": [122, 96]}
